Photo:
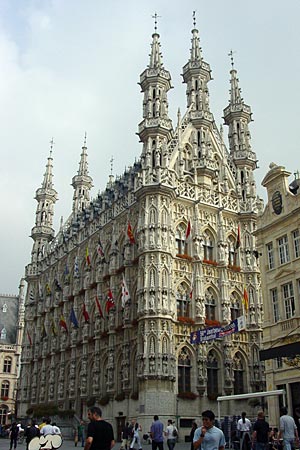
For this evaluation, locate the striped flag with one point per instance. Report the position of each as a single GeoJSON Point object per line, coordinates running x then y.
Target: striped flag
{"type": "Point", "coordinates": [63, 323]}
{"type": "Point", "coordinates": [245, 299]}
{"type": "Point", "coordinates": [73, 318]}
{"type": "Point", "coordinates": [125, 293]}
{"type": "Point", "coordinates": [87, 257]}
{"type": "Point", "coordinates": [188, 234]}
{"type": "Point", "coordinates": [130, 233]}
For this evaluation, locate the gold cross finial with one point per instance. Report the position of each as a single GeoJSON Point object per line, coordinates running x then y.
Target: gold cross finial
{"type": "Point", "coordinates": [155, 17]}
{"type": "Point", "coordinates": [51, 146]}
{"type": "Point", "coordinates": [231, 57]}
{"type": "Point", "coordinates": [194, 19]}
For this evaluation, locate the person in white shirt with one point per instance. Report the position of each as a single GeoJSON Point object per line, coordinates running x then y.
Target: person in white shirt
{"type": "Point", "coordinates": [56, 429]}
{"type": "Point", "coordinates": [171, 434]}
{"type": "Point", "coordinates": [47, 429]}
{"type": "Point", "coordinates": [244, 429]}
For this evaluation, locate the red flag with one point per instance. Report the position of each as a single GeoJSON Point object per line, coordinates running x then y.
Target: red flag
{"type": "Point", "coordinates": [63, 323]}
{"type": "Point", "coordinates": [246, 299]}
{"type": "Point", "coordinates": [192, 286]}
{"type": "Point", "coordinates": [100, 250]}
{"type": "Point", "coordinates": [29, 338]}
{"type": "Point", "coordinates": [87, 256]}
{"type": "Point", "coordinates": [130, 233]}
{"type": "Point", "coordinates": [109, 302]}
{"type": "Point", "coordinates": [85, 314]}
{"type": "Point", "coordinates": [99, 307]}
{"type": "Point", "coordinates": [188, 231]}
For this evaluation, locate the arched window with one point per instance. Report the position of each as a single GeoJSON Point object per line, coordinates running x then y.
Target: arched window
{"type": "Point", "coordinates": [210, 305]}
{"type": "Point", "coordinates": [235, 306]}
{"type": "Point", "coordinates": [3, 414]}
{"type": "Point", "coordinates": [183, 301]}
{"type": "Point", "coordinates": [208, 246]}
{"type": "Point", "coordinates": [212, 374]}
{"type": "Point", "coordinates": [181, 246]}
{"type": "Point", "coordinates": [3, 333]}
{"type": "Point", "coordinates": [4, 389]}
{"type": "Point", "coordinates": [239, 374]}
{"type": "Point", "coordinates": [184, 371]}
{"type": "Point", "coordinates": [7, 365]}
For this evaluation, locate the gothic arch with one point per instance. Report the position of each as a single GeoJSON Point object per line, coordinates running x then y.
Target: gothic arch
{"type": "Point", "coordinates": [165, 344]}
{"type": "Point", "coordinates": [152, 277]}
{"type": "Point", "coordinates": [186, 363]}
{"type": "Point", "coordinates": [153, 214]}
{"type": "Point", "coordinates": [235, 304]}
{"type": "Point", "coordinates": [239, 372]}
{"type": "Point", "coordinates": [183, 300]}
{"type": "Point", "coordinates": [209, 244]}
{"type": "Point", "coordinates": [213, 365]}
{"type": "Point", "coordinates": [212, 307]}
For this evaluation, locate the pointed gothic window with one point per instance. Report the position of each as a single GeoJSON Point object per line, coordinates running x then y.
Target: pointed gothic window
{"type": "Point", "coordinates": [235, 307]}
{"type": "Point", "coordinates": [239, 374]}
{"type": "Point", "coordinates": [184, 371]}
{"type": "Point", "coordinates": [210, 305]}
{"type": "Point", "coordinates": [212, 374]}
{"type": "Point", "coordinates": [181, 246]}
{"type": "Point", "coordinates": [208, 246]}
{"type": "Point", "coordinates": [183, 301]}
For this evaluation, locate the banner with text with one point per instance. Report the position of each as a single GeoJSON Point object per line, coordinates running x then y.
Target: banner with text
{"type": "Point", "coordinates": [211, 333]}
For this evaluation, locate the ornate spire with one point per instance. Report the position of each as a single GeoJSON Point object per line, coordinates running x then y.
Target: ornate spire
{"type": "Point", "coordinates": [82, 182]}
{"type": "Point", "coordinates": [155, 55]}
{"type": "Point", "coordinates": [196, 49]}
{"type": "Point", "coordinates": [48, 176]}
{"type": "Point", "coordinates": [235, 91]}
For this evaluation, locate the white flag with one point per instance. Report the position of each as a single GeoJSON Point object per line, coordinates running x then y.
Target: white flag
{"type": "Point", "coordinates": [125, 293]}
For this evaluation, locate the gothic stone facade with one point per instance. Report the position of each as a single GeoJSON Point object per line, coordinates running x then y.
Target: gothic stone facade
{"type": "Point", "coordinates": [137, 360]}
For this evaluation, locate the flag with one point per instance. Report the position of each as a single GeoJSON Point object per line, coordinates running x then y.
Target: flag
{"type": "Point", "coordinates": [100, 250]}
{"type": "Point", "coordinates": [85, 313]}
{"type": "Point", "coordinates": [31, 295]}
{"type": "Point", "coordinates": [73, 318]}
{"type": "Point", "coordinates": [87, 257]}
{"type": "Point", "coordinates": [76, 267]}
{"type": "Point", "coordinates": [125, 293]}
{"type": "Point", "coordinates": [63, 323]}
{"type": "Point", "coordinates": [238, 238]}
{"type": "Point", "coordinates": [99, 307]}
{"type": "Point", "coordinates": [188, 231]}
{"type": "Point", "coordinates": [130, 233]}
{"type": "Point", "coordinates": [44, 333]}
{"type": "Point", "coordinates": [53, 328]}
{"type": "Point", "coordinates": [29, 338]}
{"type": "Point", "coordinates": [109, 302]}
{"type": "Point", "coordinates": [48, 289]}
{"type": "Point", "coordinates": [245, 299]}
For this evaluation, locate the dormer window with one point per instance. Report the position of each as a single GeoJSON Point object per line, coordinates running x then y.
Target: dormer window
{"type": "Point", "coordinates": [3, 334]}
{"type": "Point", "coordinates": [4, 308]}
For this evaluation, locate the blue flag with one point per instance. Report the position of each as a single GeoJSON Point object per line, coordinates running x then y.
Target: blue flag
{"type": "Point", "coordinates": [73, 318]}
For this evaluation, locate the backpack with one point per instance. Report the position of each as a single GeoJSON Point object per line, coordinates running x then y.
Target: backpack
{"type": "Point", "coordinates": [175, 432]}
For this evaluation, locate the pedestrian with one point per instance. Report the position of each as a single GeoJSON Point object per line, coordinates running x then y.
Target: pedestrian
{"type": "Point", "coordinates": [47, 428]}
{"type": "Point", "coordinates": [31, 431]}
{"type": "Point", "coordinates": [136, 436]}
{"type": "Point", "coordinates": [156, 433]}
{"type": "Point", "coordinates": [209, 437]}
{"type": "Point", "coordinates": [100, 435]}
{"type": "Point", "coordinates": [261, 432]}
{"type": "Point", "coordinates": [244, 429]}
{"type": "Point", "coordinates": [81, 432]}
{"type": "Point", "coordinates": [125, 436]}
{"type": "Point", "coordinates": [13, 435]}
{"type": "Point", "coordinates": [171, 434]}
{"type": "Point", "coordinates": [192, 432]}
{"type": "Point", "coordinates": [287, 430]}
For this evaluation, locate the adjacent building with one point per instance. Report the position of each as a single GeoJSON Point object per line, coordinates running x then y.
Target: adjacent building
{"type": "Point", "coordinates": [11, 334]}
{"type": "Point", "coordinates": [278, 240]}
{"type": "Point", "coordinates": [166, 249]}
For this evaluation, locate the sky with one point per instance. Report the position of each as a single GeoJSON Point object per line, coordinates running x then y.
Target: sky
{"type": "Point", "coordinates": [72, 66]}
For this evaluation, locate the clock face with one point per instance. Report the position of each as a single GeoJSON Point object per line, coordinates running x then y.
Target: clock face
{"type": "Point", "coordinates": [277, 202]}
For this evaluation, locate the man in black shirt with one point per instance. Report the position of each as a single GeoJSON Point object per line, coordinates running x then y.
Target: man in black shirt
{"type": "Point", "coordinates": [100, 435]}
{"type": "Point", "coordinates": [260, 436]}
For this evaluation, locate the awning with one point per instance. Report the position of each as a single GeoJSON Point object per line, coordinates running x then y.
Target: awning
{"type": "Point", "coordinates": [283, 350]}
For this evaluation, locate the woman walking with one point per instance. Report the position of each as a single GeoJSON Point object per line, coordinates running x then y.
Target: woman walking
{"type": "Point", "coordinates": [13, 434]}
{"type": "Point", "coordinates": [136, 436]}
